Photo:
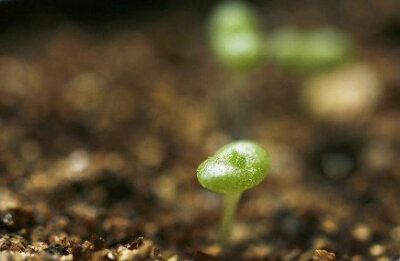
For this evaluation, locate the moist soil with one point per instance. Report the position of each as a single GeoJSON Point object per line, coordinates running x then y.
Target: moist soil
{"type": "Point", "coordinates": [106, 112]}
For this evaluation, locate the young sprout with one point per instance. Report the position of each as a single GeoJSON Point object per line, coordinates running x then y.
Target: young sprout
{"type": "Point", "coordinates": [233, 169]}
{"type": "Point", "coordinates": [235, 36]}
{"type": "Point", "coordinates": [236, 42]}
{"type": "Point", "coordinates": [238, 51]}
{"type": "Point", "coordinates": [232, 17]}
{"type": "Point", "coordinates": [309, 51]}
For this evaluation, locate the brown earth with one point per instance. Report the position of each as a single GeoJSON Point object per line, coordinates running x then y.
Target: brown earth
{"type": "Point", "coordinates": [102, 127]}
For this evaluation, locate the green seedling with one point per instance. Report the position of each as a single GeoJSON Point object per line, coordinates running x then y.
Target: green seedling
{"type": "Point", "coordinates": [238, 51]}
{"type": "Point", "coordinates": [309, 50]}
{"type": "Point", "coordinates": [236, 41]}
{"type": "Point", "coordinates": [232, 17]}
{"type": "Point", "coordinates": [233, 169]}
{"type": "Point", "coordinates": [235, 36]}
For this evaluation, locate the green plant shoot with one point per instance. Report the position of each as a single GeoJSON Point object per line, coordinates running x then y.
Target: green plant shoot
{"type": "Point", "coordinates": [309, 50]}
{"type": "Point", "coordinates": [233, 169]}
{"type": "Point", "coordinates": [235, 36]}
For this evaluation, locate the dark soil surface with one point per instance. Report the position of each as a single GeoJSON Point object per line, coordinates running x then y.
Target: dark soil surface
{"type": "Point", "coordinates": [104, 121]}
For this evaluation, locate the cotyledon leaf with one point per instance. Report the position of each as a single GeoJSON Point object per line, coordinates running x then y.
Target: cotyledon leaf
{"type": "Point", "coordinates": [235, 167]}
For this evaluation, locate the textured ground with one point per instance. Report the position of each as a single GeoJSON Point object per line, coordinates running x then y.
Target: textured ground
{"type": "Point", "coordinates": [101, 132]}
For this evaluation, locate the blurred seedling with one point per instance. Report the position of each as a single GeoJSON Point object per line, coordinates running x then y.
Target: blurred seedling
{"type": "Point", "coordinates": [233, 169]}
{"type": "Point", "coordinates": [309, 51]}
{"type": "Point", "coordinates": [235, 39]}
{"type": "Point", "coordinates": [235, 36]}
{"type": "Point", "coordinates": [336, 90]}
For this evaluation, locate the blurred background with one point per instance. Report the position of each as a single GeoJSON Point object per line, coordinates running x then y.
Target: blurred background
{"type": "Point", "coordinates": [108, 107]}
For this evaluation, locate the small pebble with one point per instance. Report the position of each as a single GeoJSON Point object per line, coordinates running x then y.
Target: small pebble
{"type": "Point", "coordinates": [357, 258]}
{"type": "Point", "coordinates": [78, 161]}
{"type": "Point", "coordinates": [213, 250]}
{"type": "Point", "coordinates": [346, 95]}
{"type": "Point", "coordinates": [321, 242]}
{"type": "Point", "coordinates": [329, 226]}
{"type": "Point", "coordinates": [323, 255]}
{"type": "Point", "coordinates": [362, 232]}
{"type": "Point", "coordinates": [376, 250]}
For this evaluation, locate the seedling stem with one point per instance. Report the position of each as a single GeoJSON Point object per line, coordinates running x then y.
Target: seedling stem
{"type": "Point", "coordinates": [230, 202]}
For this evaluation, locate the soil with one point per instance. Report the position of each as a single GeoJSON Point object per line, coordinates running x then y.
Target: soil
{"type": "Point", "coordinates": [106, 112]}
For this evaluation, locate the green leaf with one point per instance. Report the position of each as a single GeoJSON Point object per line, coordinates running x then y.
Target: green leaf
{"type": "Point", "coordinates": [236, 167]}
{"type": "Point", "coordinates": [308, 51]}
{"type": "Point", "coordinates": [235, 36]}
{"type": "Point", "coordinates": [232, 17]}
